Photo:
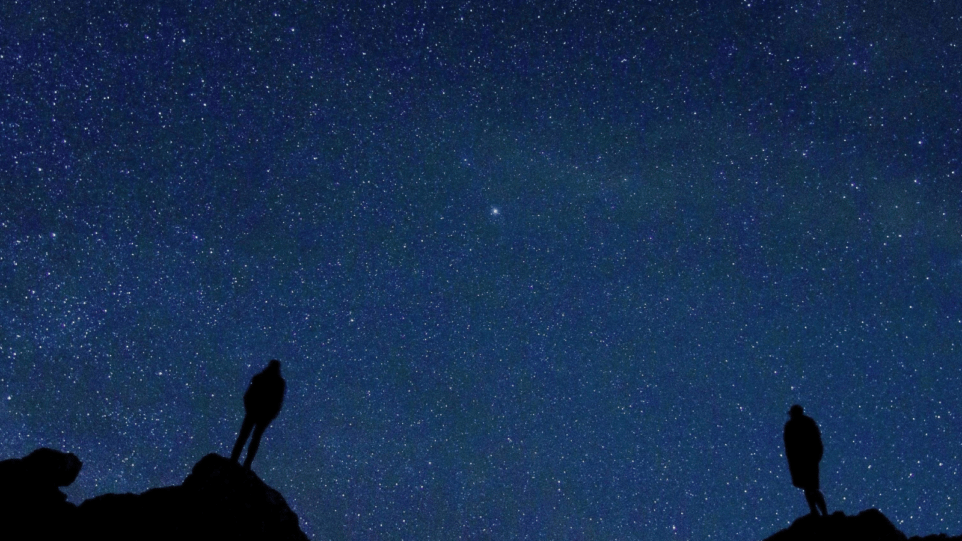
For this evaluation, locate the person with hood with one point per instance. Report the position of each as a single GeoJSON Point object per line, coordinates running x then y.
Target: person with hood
{"type": "Point", "coordinates": [262, 403]}
{"type": "Point", "coordinates": [803, 448]}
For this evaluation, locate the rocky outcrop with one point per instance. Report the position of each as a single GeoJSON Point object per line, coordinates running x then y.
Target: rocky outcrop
{"type": "Point", "coordinates": [222, 500]}
{"type": "Point", "coordinates": [218, 500]}
{"type": "Point", "coordinates": [31, 503]}
{"type": "Point", "coordinates": [869, 525]}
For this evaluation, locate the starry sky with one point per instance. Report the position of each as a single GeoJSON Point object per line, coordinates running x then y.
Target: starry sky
{"type": "Point", "coordinates": [534, 270]}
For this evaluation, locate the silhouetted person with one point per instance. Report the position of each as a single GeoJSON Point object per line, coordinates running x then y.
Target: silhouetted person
{"type": "Point", "coordinates": [262, 403]}
{"type": "Point", "coordinates": [803, 448]}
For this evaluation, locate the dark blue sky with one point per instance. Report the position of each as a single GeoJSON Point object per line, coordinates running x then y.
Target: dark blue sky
{"type": "Point", "coordinates": [533, 269]}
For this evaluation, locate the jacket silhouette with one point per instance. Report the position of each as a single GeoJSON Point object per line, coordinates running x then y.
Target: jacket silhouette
{"type": "Point", "coordinates": [803, 449]}
{"type": "Point", "coordinates": [262, 403]}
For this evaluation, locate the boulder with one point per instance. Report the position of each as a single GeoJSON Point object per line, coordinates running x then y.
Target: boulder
{"type": "Point", "coordinates": [869, 525]}
{"type": "Point", "coordinates": [31, 503]}
{"type": "Point", "coordinates": [218, 500]}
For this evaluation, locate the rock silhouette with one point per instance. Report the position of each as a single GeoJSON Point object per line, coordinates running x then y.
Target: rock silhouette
{"type": "Point", "coordinates": [869, 525]}
{"type": "Point", "coordinates": [218, 500]}
{"type": "Point", "coordinates": [30, 492]}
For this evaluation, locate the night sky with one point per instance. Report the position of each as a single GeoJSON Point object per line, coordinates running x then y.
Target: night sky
{"type": "Point", "coordinates": [534, 270]}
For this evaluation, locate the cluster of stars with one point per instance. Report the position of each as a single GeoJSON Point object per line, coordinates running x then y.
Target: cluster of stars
{"type": "Point", "coordinates": [696, 217]}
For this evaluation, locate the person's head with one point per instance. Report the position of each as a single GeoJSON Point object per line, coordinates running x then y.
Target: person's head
{"type": "Point", "coordinates": [796, 411]}
{"type": "Point", "coordinates": [274, 365]}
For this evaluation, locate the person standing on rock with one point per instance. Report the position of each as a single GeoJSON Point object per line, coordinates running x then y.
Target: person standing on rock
{"type": "Point", "coordinates": [262, 403]}
{"type": "Point", "coordinates": [803, 448]}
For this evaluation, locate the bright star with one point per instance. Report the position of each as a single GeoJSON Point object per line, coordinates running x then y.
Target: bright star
{"type": "Point", "coordinates": [495, 211]}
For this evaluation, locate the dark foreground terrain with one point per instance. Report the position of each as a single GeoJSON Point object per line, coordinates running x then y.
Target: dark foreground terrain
{"type": "Point", "coordinates": [218, 500]}
{"type": "Point", "coordinates": [222, 500]}
{"type": "Point", "coordinates": [869, 525]}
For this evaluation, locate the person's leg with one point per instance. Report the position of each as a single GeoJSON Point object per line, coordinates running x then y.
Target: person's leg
{"type": "Point", "coordinates": [811, 498]}
{"type": "Point", "coordinates": [820, 501]}
{"type": "Point", "coordinates": [245, 431]}
{"type": "Point", "coordinates": [255, 443]}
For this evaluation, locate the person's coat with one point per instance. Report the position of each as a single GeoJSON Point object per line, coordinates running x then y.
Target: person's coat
{"type": "Point", "coordinates": [803, 448]}
{"type": "Point", "coordinates": [264, 397]}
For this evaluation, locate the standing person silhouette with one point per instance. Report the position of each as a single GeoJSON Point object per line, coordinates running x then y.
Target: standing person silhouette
{"type": "Point", "coordinates": [803, 448]}
{"type": "Point", "coordinates": [262, 403]}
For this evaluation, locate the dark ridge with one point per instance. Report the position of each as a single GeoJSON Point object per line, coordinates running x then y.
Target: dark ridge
{"type": "Point", "coordinates": [31, 503]}
{"type": "Point", "coordinates": [218, 500]}
{"type": "Point", "coordinates": [869, 525]}
{"type": "Point", "coordinates": [222, 500]}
